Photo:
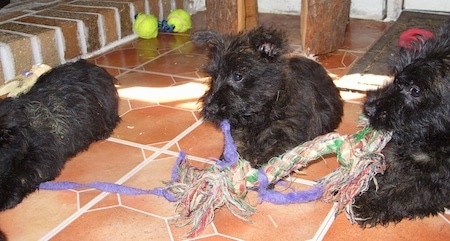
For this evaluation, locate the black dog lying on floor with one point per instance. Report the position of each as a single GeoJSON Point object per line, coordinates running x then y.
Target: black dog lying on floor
{"type": "Point", "coordinates": [416, 107]}
{"type": "Point", "coordinates": [273, 101]}
{"type": "Point", "coordinates": [67, 109]}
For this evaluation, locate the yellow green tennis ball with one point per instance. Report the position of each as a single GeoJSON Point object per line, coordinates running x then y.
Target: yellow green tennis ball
{"type": "Point", "coordinates": [181, 19]}
{"type": "Point", "coordinates": [146, 26]}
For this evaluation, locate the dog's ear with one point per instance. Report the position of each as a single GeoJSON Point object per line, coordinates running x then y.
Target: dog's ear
{"type": "Point", "coordinates": [269, 42]}
{"type": "Point", "coordinates": [10, 122]}
{"type": "Point", "coordinates": [6, 134]}
{"type": "Point", "coordinates": [211, 39]}
{"type": "Point", "coordinates": [8, 131]}
{"type": "Point", "coordinates": [13, 143]}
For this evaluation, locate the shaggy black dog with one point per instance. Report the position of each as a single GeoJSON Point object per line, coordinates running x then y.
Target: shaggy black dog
{"type": "Point", "coordinates": [416, 107]}
{"type": "Point", "coordinates": [273, 101]}
{"type": "Point", "coordinates": [67, 109]}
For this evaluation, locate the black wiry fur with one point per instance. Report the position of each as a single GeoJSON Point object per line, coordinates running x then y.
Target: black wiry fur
{"type": "Point", "coordinates": [67, 109]}
{"type": "Point", "coordinates": [273, 102]}
{"type": "Point", "coordinates": [416, 107]}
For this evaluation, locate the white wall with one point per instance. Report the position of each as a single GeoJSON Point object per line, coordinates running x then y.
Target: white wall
{"type": "Point", "coordinates": [430, 5]}
{"type": "Point", "coordinates": [279, 6]}
{"type": "Point", "coordinates": [194, 6]}
{"type": "Point", "coordinates": [370, 9]}
{"type": "Point", "coordinates": [364, 9]}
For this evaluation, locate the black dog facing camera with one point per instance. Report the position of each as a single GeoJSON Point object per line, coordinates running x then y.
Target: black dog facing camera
{"type": "Point", "coordinates": [273, 101]}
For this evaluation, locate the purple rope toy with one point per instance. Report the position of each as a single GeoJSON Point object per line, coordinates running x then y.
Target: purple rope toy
{"type": "Point", "coordinates": [230, 157]}
{"type": "Point", "coordinates": [199, 192]}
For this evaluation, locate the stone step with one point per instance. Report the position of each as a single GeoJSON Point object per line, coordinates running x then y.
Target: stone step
{"type": "Point", "coordinates": [56, 31]}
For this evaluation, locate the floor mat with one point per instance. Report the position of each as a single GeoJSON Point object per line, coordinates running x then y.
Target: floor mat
{"type": "Point", "coordinates": [371, 71]}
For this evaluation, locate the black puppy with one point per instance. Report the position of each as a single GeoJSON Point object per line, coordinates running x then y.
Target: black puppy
{"type": "Point", "coordinates": [66, 110]}
{"type": "Point", "coordinates": [273, 101]}
{"type": "Point", "coordinates": [416, 108]}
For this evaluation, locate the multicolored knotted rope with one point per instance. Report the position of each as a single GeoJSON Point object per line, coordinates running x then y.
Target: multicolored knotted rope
{"type": "Point", "coordinates": [199, 192]}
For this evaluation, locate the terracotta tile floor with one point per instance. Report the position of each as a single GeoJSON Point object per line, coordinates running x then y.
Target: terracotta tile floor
{"type": "Point", "coordinates": [161, 81]}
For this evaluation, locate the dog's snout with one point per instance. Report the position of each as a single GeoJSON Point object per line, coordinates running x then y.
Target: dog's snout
{"type": "Point", "coordinates": [383, 115]}
{"type": "Point", "coordinates": [211, 112]}
{"type": "Point", "coordinates": [212, 103]}
{"type": "Point", "coordinates": [212, 108]}
{"type": "Point", "coordinates": [370, 110]}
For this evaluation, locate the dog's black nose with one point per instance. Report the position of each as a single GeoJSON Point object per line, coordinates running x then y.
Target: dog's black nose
{"type": "Point", "coordinates": [212, 109]}
{"type": "Point", "coordinates": [369, 110]}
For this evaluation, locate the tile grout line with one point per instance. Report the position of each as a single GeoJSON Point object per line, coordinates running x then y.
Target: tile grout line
{"type": "Point", "coordinates": [124, 178]}
{"type": "Point", "coordinates": [127, 70]}
{"type": "Point", "coordinates": [326, 224]}
{"type": "Point", "coordinates": [107, 48]}
{"type": "Point", "coordinates": [155, 149]}
{"type": "Point", "coordinates": [141, 65]}
{"type": "Point", "coordinates": [443, 217]}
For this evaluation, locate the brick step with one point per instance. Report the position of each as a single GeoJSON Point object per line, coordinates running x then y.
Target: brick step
{"type": "Point", "coordinates": [64, 30]}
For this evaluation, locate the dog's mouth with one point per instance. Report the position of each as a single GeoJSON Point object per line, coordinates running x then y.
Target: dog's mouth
{"type": "Point", "coordinates": [213, 113]}
{"type": "Point", "coordinates": [370, 110]}
{"type": "Point", "coordinates": [217, 115]}
{"type": "Point", "coordinates": [381, 117]}
{"type": "Point", "coordinates": [379, 120]}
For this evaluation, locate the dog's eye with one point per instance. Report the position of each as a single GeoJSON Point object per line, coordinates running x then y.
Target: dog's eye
{"type": "Point", "coordinates": [414, 90]}
{"type": "Point", "coordinates": [237, 77]}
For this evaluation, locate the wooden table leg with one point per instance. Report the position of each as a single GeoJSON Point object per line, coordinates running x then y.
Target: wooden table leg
{"type": "Point", "coordinates": [323, 24]}
{"type": "Point", "coordinates": [231, 16]}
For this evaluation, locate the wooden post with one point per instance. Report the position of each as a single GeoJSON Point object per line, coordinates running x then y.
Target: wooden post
{"type": "Point", "coordinates": [231, 16]}
{"type": "Point", "coordinates": [251, 14]}
{"type": "Point", "coordinates": [323, 24]}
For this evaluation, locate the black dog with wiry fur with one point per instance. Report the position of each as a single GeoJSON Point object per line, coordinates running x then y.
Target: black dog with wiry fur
{"type": "Point", "coordinates": [67, 109]}
{"type": "Point", "coordinates": [273, 101]}
{"type": "Point", "coordinates": [416, 107]}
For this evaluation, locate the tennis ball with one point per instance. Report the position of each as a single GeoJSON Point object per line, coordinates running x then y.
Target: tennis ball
{"type": "Point", "coordinates": [146, 26]}
{"type": "Point", "coordinates": [181, 19]}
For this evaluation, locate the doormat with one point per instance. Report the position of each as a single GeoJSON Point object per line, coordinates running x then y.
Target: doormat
{"type": "Point", "coordinates": [371, 71]}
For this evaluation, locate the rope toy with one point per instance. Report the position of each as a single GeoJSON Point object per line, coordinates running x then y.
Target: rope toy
{"type": "Point", "coordinates": [199, 193]}
{"type": "Point", "coordinates": [164, 26]}
{"type": "Point", "coordinates": [22, 83]}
